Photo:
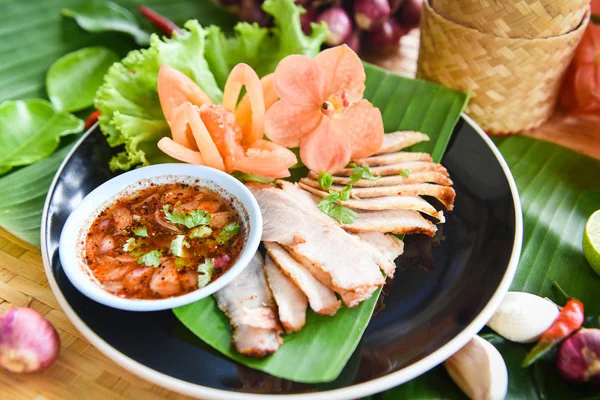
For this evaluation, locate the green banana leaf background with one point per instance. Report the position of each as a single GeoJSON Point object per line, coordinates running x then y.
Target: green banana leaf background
{"type": "Point", "coordinates": [559, 188]}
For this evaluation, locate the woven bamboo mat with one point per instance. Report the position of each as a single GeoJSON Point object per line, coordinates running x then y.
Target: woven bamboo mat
{"type": "Point", "coordinates": [81, 371]}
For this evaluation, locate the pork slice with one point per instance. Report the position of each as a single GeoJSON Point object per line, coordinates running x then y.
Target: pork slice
{"type": "Point", "coordinates": [388, 244]}
{"type": "Point", "coordinates": [415, 203]}
{"type": "Point", "coordinates": [393, 158]}
{"type": "Point", "coordinates": [444, 194]}
{"type": "Point", "coordinates": [395, 169]}
{"type": "Point", "coordinates": [248, 303]}
{"type": "Point", "coordinates": [291, 302]}
{"type": "Point", "coordinates": [310, 201]}
{"type": "Point", "coordinates": [397, 141]}
{"type": "Point", "coordinates": [344, 258]}
{"type": "Point", "coordinates": [400, 222]}
{"type": "Point", "coordinates": [393, 180]}
{"type": "Point", "coordinates": [322, 299]}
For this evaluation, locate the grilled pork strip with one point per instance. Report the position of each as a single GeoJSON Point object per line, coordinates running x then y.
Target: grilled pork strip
{"type": "Point", "coordinates": [397, 141]}
{"type": "Point", "coordinates": [392, 180]}
{"type": "Point", "coordinates": [291, 302]}
{"type": "Point", "coordinates": [393, 158]}
{"type": "Point", "coordinates": [248, 303]}
{"type": "Point", "coordinates": [322, 299]}
{"type": "Point", "coordinates": [343, 258]}
{"type": "Point", "coordinates": [395, 169]}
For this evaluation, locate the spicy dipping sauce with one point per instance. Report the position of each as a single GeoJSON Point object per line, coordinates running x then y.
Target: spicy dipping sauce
{"type": "Point", "coordinates": [164, 240]}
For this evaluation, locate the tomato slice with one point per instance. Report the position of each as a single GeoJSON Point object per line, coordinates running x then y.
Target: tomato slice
{"type": "Point", "coordinates": [225, 132]}
{"type": "Point", "coordinates": [205, 143]}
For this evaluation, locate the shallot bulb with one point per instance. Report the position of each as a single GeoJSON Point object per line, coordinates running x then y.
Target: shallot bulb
{"type": "Point", "coordinates": [578, 358]}
{"type": "Point", "coordinates": [370, 13]}
{"type": "Point", "coordinates": [28, 342]}
{"type": "Point", "coordinates": [339, 24]}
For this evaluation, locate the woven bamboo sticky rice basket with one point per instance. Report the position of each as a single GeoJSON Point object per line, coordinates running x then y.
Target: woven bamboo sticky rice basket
{"type": "Point", "coordinates": [515, 18]}
{"type": "Point", "coordinates": [514, 82]}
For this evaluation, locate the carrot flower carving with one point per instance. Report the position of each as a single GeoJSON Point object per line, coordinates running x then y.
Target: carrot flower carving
{"type": "Point", "coordinates": [321, 109]}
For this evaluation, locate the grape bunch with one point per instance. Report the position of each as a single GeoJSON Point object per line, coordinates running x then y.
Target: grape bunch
{"type": "Point", "coordinates": [364, 25]}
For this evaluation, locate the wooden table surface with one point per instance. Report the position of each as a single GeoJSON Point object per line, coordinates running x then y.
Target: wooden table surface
{"type": "Point", "coordinates": [81, 371]}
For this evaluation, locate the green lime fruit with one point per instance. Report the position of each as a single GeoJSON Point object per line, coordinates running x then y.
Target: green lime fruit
{"type": "Point", "coordinates": [591, 241]}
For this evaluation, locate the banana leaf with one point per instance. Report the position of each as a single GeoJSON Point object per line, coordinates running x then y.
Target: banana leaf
{"type": "Point", "coordinates": [559, 190]}
{"type": "Point", "coordinates": [319, 352]}
{"type": "Point", "coordinates": [33, 35]}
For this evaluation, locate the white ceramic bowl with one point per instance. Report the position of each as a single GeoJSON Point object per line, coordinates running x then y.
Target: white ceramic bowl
{"type": "Point", "coordinates": [77, 225]}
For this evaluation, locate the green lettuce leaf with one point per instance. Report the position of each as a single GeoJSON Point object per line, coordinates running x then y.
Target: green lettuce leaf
{"type": "Point", "coordinates": [128, 99]}
{"type": "Point", "coordinates": [263, 48]}
{"type": "Point", "coordinates": [30, 130]}
{"type": "Point", "coordinates": [105, 16]}
{"type": "Point", "coordinates": [72, 81]}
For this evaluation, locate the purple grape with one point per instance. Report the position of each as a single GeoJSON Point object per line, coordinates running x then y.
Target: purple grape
{"type": "Point", "coordinates": [410, 13]}
{"type": "Point", "coordinates": [387, 35]}
{"type": "Point", "coordinates": [369, 14]}
{"type": "Point", "coordinates": [395, 5]}
{"type": "Point", "coordinates": [305, 19]}
{"type": "Point", "coordinates": [339, 24]}
{"type": "Point", "coordinates": [353, 41]}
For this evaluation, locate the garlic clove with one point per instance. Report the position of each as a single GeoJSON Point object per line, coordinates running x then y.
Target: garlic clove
{"type": "Point", "coordinates": [523, 317]}
{"type": "Point", "coordinates": [479, 370]}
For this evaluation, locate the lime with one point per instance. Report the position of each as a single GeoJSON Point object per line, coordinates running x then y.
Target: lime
{"type": "Point", "coordinates": [591, 241]}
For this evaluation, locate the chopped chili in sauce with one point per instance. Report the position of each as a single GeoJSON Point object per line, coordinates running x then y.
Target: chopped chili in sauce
{"type": "Point", "coordinates": [163, 241]}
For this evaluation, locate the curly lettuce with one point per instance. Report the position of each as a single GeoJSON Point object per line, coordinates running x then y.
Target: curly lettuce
{"type": "Point", "coordinates": [128, 100]}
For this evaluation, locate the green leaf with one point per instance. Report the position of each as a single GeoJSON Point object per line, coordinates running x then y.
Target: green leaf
{"type": "Point", "coordinates": [262, 48]}
{"type": "Point", "coordinates": [73, 80]}
{"type": "Point", "coordinates": [325, 179]}
{"type": "Point", "coordinates": [103, 16]}
{"type": "Point", "coordinates": [128, 99]}
{"type": "Point", "coordinates": [200, 232]}
{"type": "Point", "coordinates": [205, 271]}
{"type": "Point", "coordinates": [245, 177]}
{"type": "Point", "coordinates": [177, 245]}
{"type": "Point", "coordinates": [191, 220]}
{"type": "Point", "coordinates": [319, 352]}
{"type": "Point", "coordinates": [22, 196]}
{"type": "Point", "coordinates": [151, 259]}
{"type": "Point", "coordinates": [228, 232]}
{"type": "Point", "coordinates": [30, 130]}
{"type": "Point", "coordinates": [143, 231]}
{"type": "Point", "coordinates": [405, 172]}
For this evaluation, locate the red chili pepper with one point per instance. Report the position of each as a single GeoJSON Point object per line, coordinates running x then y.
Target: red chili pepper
{"type": "Point", "coordinates": [568, 321]}
{"type": "Point", "coordinates": [91, 119]}
{"type": "Point", "coordinates": [163, 24]}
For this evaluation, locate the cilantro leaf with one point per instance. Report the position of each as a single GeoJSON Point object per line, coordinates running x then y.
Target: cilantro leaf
{"type": "Point", "coordinates": [143, 231]}
{"type": "Point", "coordinates": [405, 172]}
{"type": "Point", "coordinates": [200, 232]}
{"type": "Point", "coordinates": [151, 259]}
{"type": "Point", "coordinates": [362, 173]}
{"type": "Point", "coordinates": [191, 220]}
{"type": "Point", "coordinates": [343, 214]}
{"type": "Point", "coordinates": [130, 245]}
{"type": "Point", "coordinates": [228, 231]}
{"type": "Point", "coordinates": [177, 245]}
{"type": "Point", "coordinates": [205, 271]}
{"type": "Point", "coordinates": [345, 193]}
{"type": "Point", "coordinates": [325, 179]}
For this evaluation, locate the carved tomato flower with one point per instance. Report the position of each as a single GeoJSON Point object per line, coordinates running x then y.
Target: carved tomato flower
{"type": "Point", "coordinates": [321, 110]}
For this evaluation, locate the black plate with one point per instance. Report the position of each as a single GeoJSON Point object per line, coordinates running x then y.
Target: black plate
{"type": "Point", "coordinates": [443, 293]}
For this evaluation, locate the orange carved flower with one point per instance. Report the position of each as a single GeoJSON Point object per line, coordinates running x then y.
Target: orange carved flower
{"type": "Point", "coordinates": [321, 109]}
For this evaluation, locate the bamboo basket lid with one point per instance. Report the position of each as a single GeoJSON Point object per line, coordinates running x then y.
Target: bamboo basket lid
{"type": "Point", "coordinates": [514, 82]}
{"type": "Point", "coordinates": [515, 18]}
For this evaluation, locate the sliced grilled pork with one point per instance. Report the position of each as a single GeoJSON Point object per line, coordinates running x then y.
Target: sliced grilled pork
{"type": "Point", "coordinates": [400, 222]}
{"type": "Point", "coordinates": [443, 193]}
{"type": "Point", "coordinates": [397, 141]}
{"type": "Point", "coordinates": [393, 180]}
{"type": "Point", "coordinates": [393, 158]}
{"type": "Point", "coordinates": [310, 201]}
{"type": "Point", "coordinates": [389, 245]}
{"type": "Point", "coordinates": [395, 169]}
{"type": "Point", "coordinates": [415, 203]}
{"type": "Point", "coordinates": [322, 299]}
{"type": "Point", "coordinates": [344, 258]}
{"type": "Point", "coordinates": [291, 302]}
{"type": "Point", "coordinates": [248, 303]}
